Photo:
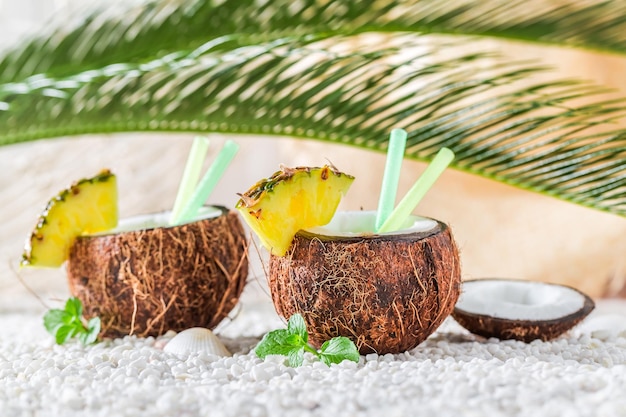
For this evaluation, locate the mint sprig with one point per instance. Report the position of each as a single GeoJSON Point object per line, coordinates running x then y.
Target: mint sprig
{"type": "Point", "coordinates": [68, 323]}
{"type": "Point", "coordinates": [293, 342]}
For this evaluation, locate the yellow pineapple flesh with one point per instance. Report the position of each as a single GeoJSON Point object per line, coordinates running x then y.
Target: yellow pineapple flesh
{"type": "Point", "coordinates": [88, 206]}
{"type": "Point", "coordinates": [292, 199]}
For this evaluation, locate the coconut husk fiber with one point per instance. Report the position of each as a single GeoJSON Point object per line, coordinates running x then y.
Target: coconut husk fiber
{"type": "Point", "coordinates": [147, 282]}
{"type": "Point", "coordinates": [387, 293]}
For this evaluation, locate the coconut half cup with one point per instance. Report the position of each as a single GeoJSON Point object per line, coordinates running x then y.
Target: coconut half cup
{"type": "Point", "coordinates": [520, 310]}
{"type": "Point", "coordinates": [387, 292]}
{"type": "Point", "coordinates": [145, 278]}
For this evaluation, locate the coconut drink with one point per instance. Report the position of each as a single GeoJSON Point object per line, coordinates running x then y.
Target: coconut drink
{"type": "Point", "coordinates": [386, 291]}
{"type": "Point", "coordinates": [152, 273]}
{"type": "Point", "coordinates": [145, 277]}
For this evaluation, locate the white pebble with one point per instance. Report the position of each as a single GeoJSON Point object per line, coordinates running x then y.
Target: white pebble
{"type": "Point", "coordinates": [259, 374]}
{"type": "Point", "coordinates": [236, 370]}
{"type": "Point", "coordinates": [71, 398]}
{"type": "Point", "coordinates": [448, 375]}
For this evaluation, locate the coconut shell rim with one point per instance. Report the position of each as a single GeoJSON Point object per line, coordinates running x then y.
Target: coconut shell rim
{"type": "Point", "coordinates": [395, 236]}
{"type": "Point", "coordinates": [224, 211]}
{"type": "Point", "coordinates": [575, 317]}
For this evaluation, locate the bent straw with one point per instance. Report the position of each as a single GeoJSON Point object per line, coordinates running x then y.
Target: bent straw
{"type": "Point", "coordinates": [208, 182]}
{"type": "Point", "coordinates": [416, 193]}
{"type": "Point", "coordinates": [191, 175]}
{"type": "Point", "coordinates": [391, 176]}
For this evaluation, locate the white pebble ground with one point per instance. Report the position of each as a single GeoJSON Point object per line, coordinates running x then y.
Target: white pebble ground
{"type": "Point", "coordinates": [452, 374]}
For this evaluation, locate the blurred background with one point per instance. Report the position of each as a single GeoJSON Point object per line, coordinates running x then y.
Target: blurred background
{"type": "Point", "coordinates": [501, 231]}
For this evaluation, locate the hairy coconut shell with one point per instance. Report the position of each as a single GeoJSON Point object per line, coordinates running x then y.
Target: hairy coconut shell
{"type": "Point", "coordinates": [520, 329]}
{"type": "Point", "coordinates": [147, 282]}
{"type": "Point", "coordinates": [523, 330]}
{"type": "Point", "coordinates": [387, 293]}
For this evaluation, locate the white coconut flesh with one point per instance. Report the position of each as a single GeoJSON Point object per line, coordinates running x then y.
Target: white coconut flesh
{"type": "Point", "coordinates": [363, 223]}
{"type": "Point", "coordinates": [153, 221]}
{"type": "Point", "coordinates": [519, 300]}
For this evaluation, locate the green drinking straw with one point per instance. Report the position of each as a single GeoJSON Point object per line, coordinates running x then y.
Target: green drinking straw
{"type": "Point", "coordinates": [406, 206]}
{"type": "Point", "coordinates": [191, 175]}
{"type": "Point", "coordinates": [391, 176]}
{"type": "Point", "coordinates": [208, 182]}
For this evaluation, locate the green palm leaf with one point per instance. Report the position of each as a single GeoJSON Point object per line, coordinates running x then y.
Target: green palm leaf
{"type": "Point", "coordinates": [137, 33]}
{"type": "Point", "coordinates": [354, 97]}
{"type": "Point", "coordinates": [291, 69]}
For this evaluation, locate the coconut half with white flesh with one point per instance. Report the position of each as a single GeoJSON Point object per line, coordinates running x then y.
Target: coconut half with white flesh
{"type": "Point", "coordinates": [518, 309]}
{"type": "Point", "coordinates": [386, 292]}
{"type": "Point", "coordinates": [147, 277]}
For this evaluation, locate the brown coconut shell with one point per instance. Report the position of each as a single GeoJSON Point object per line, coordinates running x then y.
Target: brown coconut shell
{"type": "Point", "coordinates": [387, 293]}
{"type": "Point", "coordinates": [147, 282]}
{"type": "Point", "coordinates": [523, 330]}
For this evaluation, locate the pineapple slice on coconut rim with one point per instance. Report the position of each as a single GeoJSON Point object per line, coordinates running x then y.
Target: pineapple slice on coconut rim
{"type": "Point", "coordinates": [133, 274]}
{"type": "Point", "coordinates": [339, 273]}
{"type": "Point", "coordinates": [290, 200]}
{"type": "Point", "coordinates": [88, 206]}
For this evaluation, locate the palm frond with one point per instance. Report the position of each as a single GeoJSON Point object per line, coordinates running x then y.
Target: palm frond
{"type": "Point", "coordinates": [537, 137]}
{"type": "Point", "coordinates": [140, 33]}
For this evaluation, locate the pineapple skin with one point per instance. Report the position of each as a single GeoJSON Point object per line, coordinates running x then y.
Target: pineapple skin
{"type": "Point", "coordinates": [292, 199]}
{"type": "Point", "coordinates": [88, 206]}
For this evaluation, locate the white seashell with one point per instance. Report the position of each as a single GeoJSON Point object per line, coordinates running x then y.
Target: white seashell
{"type": "Point", "coordinates": [196, 340]}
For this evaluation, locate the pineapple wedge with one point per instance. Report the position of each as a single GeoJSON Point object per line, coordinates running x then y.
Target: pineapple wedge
{"type": "Point", "coordinates": [88, 206]}
{"type": "Point", "coordinates": [292, 199]}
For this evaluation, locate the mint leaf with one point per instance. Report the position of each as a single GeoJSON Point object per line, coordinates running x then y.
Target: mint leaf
{"type": "Point", "coordinates": [64, 333]}
{"type": "Point", "coordinates": [68, 323]}
{"type": "Point", "coordinates": [286, 342]}
{"type": "Point", "coordinates": [53, 319]}
{"type": "Point", "coordinates": [338, 349]}
{"type": "Point", "coordinates": [296, 357]}
{"type": "Point", "coordinates": [74, 307]}
{"type": "Point", "coordinates": [93, 329]}
{"type": "Point", "coordinates": [297, 326]}
{"type": "Point", "coordinates": [276, 342]}
{"type": "Point", "coordinates": [292, 342]}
